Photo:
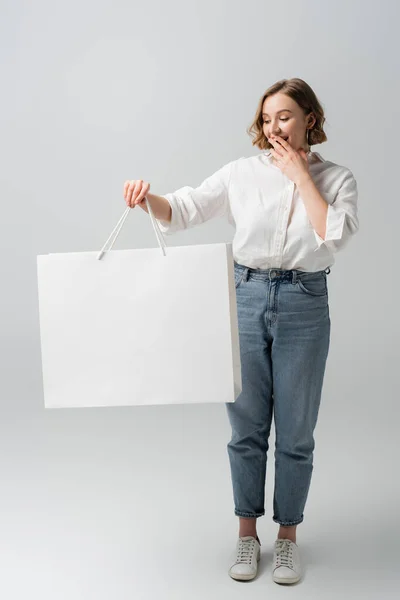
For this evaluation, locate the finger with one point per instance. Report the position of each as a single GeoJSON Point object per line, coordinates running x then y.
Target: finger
{"type": "Point", "coordinates": [276, 148]}
{"type": "Point", "coordinates": [129, 190]}
{"type": "Point", "coordinates": [143, 193]}
{"type": "Point", "coordinates": [132, 191]}
{"type": "Point", "coordinates": [126, 185]}
{"type": "Point", "coordinates": [136, 191]}
{"type": "Point", "coordinates": [283, 143]}
{"type": "Point", "coordinates": [275, 155]}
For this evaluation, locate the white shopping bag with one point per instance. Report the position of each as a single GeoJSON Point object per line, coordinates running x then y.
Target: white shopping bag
{"type": "Point", "coordinates": [137, 327]}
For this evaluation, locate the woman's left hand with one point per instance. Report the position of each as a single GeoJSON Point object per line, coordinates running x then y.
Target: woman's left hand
{"type": "Point", "coordinates": [293, 163]}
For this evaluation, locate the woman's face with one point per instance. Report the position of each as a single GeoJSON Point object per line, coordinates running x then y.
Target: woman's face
{"type": "Point", "coordinates": [283, 116]}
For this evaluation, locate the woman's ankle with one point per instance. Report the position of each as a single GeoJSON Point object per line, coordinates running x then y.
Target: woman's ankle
{"type": "Point", "coordinates": [247, 526]}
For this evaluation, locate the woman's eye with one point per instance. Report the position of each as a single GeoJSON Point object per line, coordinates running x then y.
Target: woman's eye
{"type": "Point", "coordinates": [282, 119]}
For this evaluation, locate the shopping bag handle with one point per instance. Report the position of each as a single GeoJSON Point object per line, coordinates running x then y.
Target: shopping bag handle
{"type": "Point", "coordinates": [115, 232]}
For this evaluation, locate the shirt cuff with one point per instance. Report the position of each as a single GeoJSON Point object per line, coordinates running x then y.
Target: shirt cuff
{"type": "Point", "coordinates": [334, 226]}
{"type": "Point", "coordinates": [169, 227]}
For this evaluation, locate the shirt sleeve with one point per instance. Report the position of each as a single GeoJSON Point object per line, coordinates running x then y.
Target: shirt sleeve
{"type": "Point", "coordinates": [342, 217]}
{"type": "Point", "coordinates": [194, 205]}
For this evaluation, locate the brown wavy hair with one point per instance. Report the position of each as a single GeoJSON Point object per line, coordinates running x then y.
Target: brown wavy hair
{"type": "Point", "coordinates": [300, 92]}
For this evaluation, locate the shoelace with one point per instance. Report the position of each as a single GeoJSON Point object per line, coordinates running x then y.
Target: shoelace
{"type": "Point", "coordinates": [245, 550]}
{"type": "Point", "coordinates": [283, 551]}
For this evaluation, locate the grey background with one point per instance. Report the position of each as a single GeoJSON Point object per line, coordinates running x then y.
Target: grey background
{"type": "Point", "coordinates": [136, 501]}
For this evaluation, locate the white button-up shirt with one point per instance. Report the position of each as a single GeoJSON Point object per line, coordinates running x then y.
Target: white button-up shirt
{"type": "Point", "coordinates": [272, 228]}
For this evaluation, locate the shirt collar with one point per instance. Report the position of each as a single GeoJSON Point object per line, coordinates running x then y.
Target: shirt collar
{"type": "Point", "coordinates": [310, 155]}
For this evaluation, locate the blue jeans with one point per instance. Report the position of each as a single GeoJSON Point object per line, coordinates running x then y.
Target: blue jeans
{"type": "Point", "coordinates": [284, 334]}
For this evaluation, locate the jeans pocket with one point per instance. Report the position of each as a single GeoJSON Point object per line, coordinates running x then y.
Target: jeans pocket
{"type": "Point", "coordinates": [313, 284]}
{"type": "Point", "coordinates": [238, 277]}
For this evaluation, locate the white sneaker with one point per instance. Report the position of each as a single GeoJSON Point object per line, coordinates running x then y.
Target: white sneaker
{"type": "Point", "coordinates": [287, 567]}
{"type": "Point", "coordinates": [247, 557]}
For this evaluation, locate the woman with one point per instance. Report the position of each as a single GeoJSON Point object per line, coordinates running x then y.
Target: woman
{"type": "Point", "coordinates": [292, 210]}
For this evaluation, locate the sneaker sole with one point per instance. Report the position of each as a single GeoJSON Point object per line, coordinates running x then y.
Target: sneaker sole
{"type": "Point", "coordinates": [286, 580]}
{"type": "Point", "coordinates": [245, 577]}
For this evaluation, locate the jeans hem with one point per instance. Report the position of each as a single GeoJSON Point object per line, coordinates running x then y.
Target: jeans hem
{"type": "Point", "coordinates": [288, 523]}
{"type": "Point", "coordinates": [240, 513]}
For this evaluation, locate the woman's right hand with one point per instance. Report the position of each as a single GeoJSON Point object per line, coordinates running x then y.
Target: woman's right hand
{"type": "Point", "coordinates": [135, 192]}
